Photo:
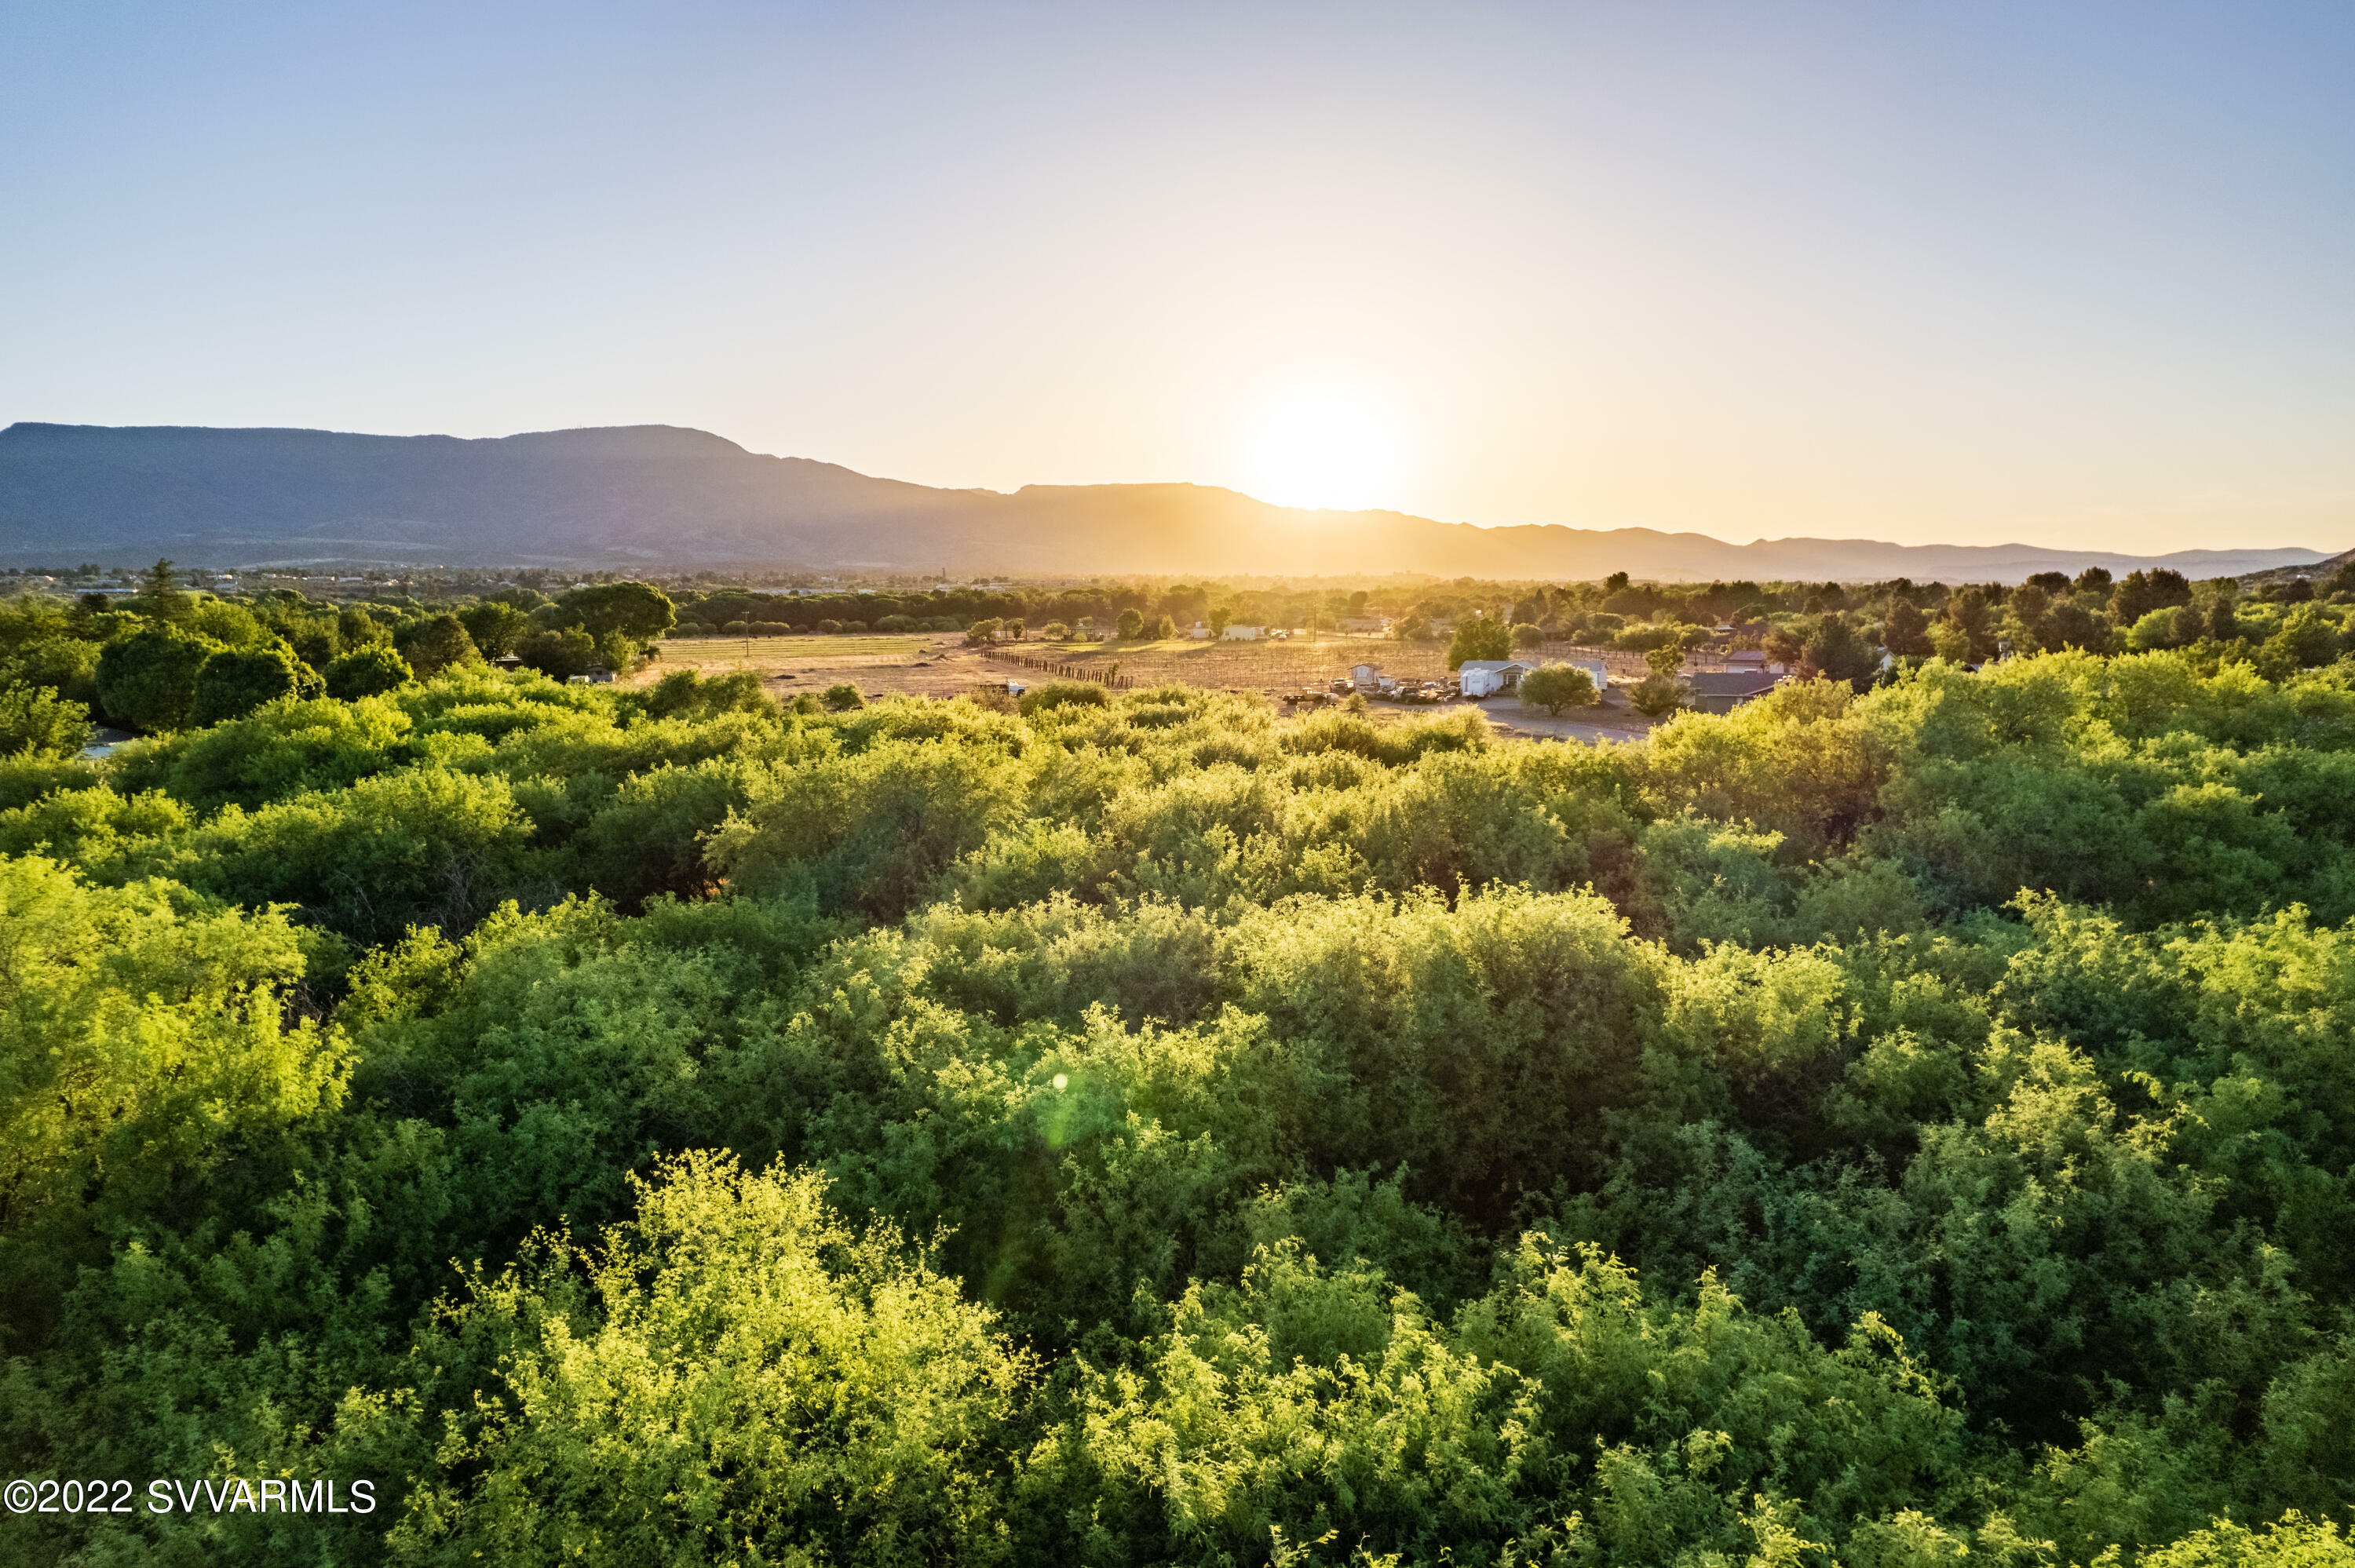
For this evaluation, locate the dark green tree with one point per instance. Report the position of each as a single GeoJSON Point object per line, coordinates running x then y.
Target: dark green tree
{"type": "Point", "coordinates": [435, 645]}
{"type": "Point", "coordinates": [1906, 634]}
{"type": "Point", "coordinates": [159, 597]}
{"type": "Point", "coordinates": [236, 680]}
{"type": "Point", "coordinates": [559, 655]}
{"type": "Point", "coordinates": [496, 627]}
{"type": "Point", "coordinates": [148, 679]}
{"type": "Point", "coordinates": [637, 610]}
{"type": "Point", "coordinates": [1970, 613]}
{"type": "Point", "coordinates": [357, 625]}
{"type": "Point", "coordinates": [2141, 592]}
{"type": "Point", "coordinates": [1835, 652]}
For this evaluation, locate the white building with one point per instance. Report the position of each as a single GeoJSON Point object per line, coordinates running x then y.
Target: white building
{"type": "Point", "coordinates": [1245, 633]}
{"type": "Point", "coordinates": [1487, 677]}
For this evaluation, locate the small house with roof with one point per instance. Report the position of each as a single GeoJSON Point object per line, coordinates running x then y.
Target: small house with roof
{"type": "Point", "coordinates": [1722, 691]}
{"type": "Point", "coordinates": [1487, 677]}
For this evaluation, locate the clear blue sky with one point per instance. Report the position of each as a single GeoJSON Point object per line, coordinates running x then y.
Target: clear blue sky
{"type": "Point", "coordinates": [2074, 272]}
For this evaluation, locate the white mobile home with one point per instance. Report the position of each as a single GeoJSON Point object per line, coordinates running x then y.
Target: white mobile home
{"type": "Point", "coordinates": [1487, 677]}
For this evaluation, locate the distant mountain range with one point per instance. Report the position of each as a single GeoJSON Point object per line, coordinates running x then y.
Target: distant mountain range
{"type": "Point", "coordinates": [660, 496]}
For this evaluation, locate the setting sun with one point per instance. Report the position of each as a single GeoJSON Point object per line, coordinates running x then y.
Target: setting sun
{"type": "Point", "coordinates": [1321, 449]}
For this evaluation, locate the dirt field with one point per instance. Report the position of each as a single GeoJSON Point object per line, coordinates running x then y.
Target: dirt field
{"type": "Point", "coordinates": [931, 666]}
{"type": "Point", "coordinates": [943, 666]}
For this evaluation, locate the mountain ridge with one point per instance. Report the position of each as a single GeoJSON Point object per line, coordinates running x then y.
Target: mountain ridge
{"type": "Point", "coordinates": [674, 495]}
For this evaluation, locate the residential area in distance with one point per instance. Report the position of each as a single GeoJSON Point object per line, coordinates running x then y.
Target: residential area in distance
{"type": "Point", "coordinates": [1645, 651]}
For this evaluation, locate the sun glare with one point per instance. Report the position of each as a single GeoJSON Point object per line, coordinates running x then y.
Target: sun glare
{"type": "Point", "coordinates": [1321, 449]}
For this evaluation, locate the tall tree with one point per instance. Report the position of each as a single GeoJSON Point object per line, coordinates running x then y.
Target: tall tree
{"type": "Point", "coordinates": [1480, 639]}
{"type": "Point", "coordinates": [159, 596]}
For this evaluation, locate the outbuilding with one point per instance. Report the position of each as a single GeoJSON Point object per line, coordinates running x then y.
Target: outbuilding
{"type": "Point", "coordinates": [1244, 633]}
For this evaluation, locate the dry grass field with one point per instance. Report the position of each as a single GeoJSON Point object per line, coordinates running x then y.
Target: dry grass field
{"type": "Point", "coordinates": [942, 665]}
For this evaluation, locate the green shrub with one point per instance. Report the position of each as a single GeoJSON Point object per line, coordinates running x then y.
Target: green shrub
{"type": "Point", "coordinates": [1554, 687]}
{"type": "Point", "coordinates": [366, 673]}
{"type": "Point", "coordinates": [236, 680]}
{"type": "Point", "coordinates": [1065, 694]}
{"type": "Point", "coordinates": [35, 721]}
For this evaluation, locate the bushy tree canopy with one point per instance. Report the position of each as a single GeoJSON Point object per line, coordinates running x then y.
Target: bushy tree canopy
{"type": "Point", "coordinates": [1478, 640]}
{"type": "Point", "coordinates": [148, 680]}
{"type": "Point", "coordinates": [364, 672]}
{"type": "Point", "coordinates": [235, 682]}
{"type": "Point", "coordinates": [1554, 687]}
{"type": "Point", "coordinates": [637, 610]}
{"type": "Point", "coordinates": [646, 1124]}
{"type": "Point", "coordinates": [438, 643]}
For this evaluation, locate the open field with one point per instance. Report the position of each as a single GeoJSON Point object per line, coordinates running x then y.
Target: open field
{"type": "Point", "coordinates": [943, 666]}
{"type": "Point", "coordinates": [930, 665]}
{"type": "Point", "coordinates": [751, 653]}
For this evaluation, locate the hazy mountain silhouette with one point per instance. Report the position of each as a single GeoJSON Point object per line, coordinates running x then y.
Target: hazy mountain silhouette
{"type": "Point", "coordinates": [660, 494]}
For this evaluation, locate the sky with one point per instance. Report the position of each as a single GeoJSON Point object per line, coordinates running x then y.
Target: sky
{"type": "Point", "coordinates": [2078, 273]}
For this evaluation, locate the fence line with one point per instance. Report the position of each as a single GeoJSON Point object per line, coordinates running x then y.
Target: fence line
{"type": "Point", "coordinates": [1059, 670]}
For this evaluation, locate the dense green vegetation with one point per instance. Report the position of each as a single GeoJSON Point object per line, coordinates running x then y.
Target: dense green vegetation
{"type": "Point", "coordinates": [647, 1126]}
